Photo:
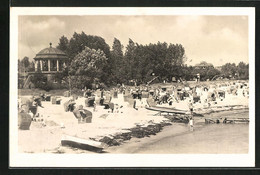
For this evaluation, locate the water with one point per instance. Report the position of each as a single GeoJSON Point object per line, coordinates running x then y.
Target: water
{"type": "Point", "coordinates": [205, 139]}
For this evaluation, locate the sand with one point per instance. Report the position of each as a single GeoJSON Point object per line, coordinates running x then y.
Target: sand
{"type": "Point", "coordinates": [46, 137]}
{"type": "Point", "coordinates": [205, 139]}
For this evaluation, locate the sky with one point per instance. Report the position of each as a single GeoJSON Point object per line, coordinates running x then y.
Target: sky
{"type": "Point", "coordinates": [214, 39]}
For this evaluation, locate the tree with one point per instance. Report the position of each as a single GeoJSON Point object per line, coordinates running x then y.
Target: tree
{"type": "Point", "coordinates": [129, 59]}
{"type": "Point", "coordinates": [243, 70]}
{"type": "Point", "coordinates": [212, 72]}
{"type": "Point", "coordinates": [87, 67]}
{"type": "Point", "coordinates": [40, 81]}
{"type": "Point", "coordinates": [117, 63]}
{"type": "Point", "coordinates": [63, 44]}
{"type": "Point", "coordinates": [31, 67]}
{"type": "Point", "coordinates": [229, 70]}
{"type": "Point", "coordinates": [77, 44]}
{"type": "Point", "coordinates": [176, 55]}
{"type": "Point", "coordinates": [23, 65]}
{"type": "Point", "coordinates": [79, 41]}
{"type": "Point", "coordinates": [25, 62]}
{"type": "Point", "coordinates": [138, 62]}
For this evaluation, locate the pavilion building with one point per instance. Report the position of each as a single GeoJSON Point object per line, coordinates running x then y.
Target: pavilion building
{"type": "Point", "coordinates": [48, 62]}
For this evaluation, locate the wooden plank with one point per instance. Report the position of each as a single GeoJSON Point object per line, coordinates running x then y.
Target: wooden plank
{"type": "Point", "coordinates": [168, 110]}
{"type": "Point", "coordinates": [76, 142]}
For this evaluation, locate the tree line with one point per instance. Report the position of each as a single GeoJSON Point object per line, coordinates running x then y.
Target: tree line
{"type": "Point", "coordinates": [92, 61]}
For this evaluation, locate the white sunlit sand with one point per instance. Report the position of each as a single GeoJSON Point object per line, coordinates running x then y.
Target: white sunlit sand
{"type": "Point", "coordinates": [104, 123]}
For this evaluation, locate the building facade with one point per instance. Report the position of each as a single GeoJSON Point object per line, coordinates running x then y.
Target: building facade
{"type": "Point", "coordinates": [49, 61]}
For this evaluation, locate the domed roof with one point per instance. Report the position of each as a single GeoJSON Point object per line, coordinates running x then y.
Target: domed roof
{"type": "Point", "coordinates": [51, 53]}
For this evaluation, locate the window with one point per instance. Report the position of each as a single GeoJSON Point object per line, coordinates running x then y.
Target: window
{"type": "Point", "coordinates": [60, 65]}
{"type": "Point", "coordinates": [53, 65]}
{"type": "Point", "coordinates": [44, 65]}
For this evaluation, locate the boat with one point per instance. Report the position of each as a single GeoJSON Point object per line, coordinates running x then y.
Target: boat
{"type": "Point", "coordinates": [237, 120]}
{"type": "Point", "coordinates": [172, 111]}
{"type": "Point", "coordinates": [226, 120]}
{"type": "Point", "coordinates": [76, 142]}
{"type": "Point", "coordinates": [168, 110]}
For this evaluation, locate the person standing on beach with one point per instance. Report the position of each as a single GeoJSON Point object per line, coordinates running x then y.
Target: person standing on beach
{"type": "Point", "coordinates": [191, 115]}
{"type": "Point", "coordinates": [191, 123]}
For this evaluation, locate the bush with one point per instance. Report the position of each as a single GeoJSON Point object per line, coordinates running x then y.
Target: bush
{"type": "Point", "coordinates": [76, 92]}
{"type": "Point", "coordinates": [39, 81]}
{"type": "Point", "coordinates": [48, 87]}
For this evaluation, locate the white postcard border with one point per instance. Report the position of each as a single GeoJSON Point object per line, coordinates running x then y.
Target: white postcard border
{"type": "Point", "coordinates": [126, 160]}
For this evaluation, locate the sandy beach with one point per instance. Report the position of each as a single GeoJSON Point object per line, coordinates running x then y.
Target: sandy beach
{"type": "Point", "coordinates": [47, 138]}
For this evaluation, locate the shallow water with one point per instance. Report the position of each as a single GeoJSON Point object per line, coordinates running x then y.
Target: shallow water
{"type": "Point", "coordinates": [205, 139]}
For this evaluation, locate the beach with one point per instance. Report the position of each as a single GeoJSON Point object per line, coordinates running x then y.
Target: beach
{"type": "Point", "coordinates": [205, 139]}
{"type": "Point", "coordinates": [141, 128]}
{"type": "Point", "coordinates": [173, 139]}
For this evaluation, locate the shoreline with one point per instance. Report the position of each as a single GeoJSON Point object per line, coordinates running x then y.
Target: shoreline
{"type": "Point", "coordinates": [152, 126]}
{"type": "Point", "coordinates": [205, 139]}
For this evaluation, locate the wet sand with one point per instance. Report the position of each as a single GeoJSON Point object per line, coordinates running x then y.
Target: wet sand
{"type": "Point", "coordinates": [205, 139]}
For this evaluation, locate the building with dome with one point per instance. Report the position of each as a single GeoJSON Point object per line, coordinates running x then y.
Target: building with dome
{"type": "Point", "coordinates": [48, 62]}
{"type": "Point", "coordinates": [203, 65]}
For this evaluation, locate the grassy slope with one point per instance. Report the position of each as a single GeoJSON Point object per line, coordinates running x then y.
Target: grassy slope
{"type": "Point", "coordinates": [58, 92]}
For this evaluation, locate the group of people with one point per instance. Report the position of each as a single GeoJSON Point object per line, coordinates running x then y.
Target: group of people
{"type": "Point", "coordinates": [197, 93]}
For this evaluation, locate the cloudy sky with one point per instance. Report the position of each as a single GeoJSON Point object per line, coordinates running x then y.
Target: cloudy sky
{"type": "Point", "coordinates": [215, 39]}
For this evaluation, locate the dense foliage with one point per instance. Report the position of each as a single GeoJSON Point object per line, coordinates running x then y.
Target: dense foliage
{"type": "Point", "coordinates": [137, 63]}
{"type": "Point", "coordinates": [92, 61]}
{"type": "Point", "coordinates": [87, 68]}
{"type": "Point", "coordinates": [40, 81]}
{"type": "Point", "coordinates": [241, 71]}
{"type": "Point", "coordinates": [25, 65]}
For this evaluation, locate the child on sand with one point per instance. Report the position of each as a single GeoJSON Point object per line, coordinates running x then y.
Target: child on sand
{"type": "Point", "coordinates": [191, 115]}
{"type": "Point", "coordinates": [191, 123]}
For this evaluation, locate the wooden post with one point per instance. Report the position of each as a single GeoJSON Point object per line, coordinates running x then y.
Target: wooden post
{"type": "Point", "coordinates": [58, 65]}
{"type": "Point", "coordinates": [49, 65]}
{"type": "Point", "coordinates": [41, 64]}
{"type": "Point", "coordinates": [35, 65]}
